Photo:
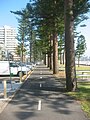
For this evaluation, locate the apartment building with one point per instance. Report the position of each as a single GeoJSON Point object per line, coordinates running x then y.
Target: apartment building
{"type": "Point", "coordinates": [8, 40]}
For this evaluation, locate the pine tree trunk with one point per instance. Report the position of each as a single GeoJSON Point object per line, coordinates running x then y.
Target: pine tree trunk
{"type": "Point", "coordinates": [50, 61]}
{"type": "Point", "coordinates": [51, 44]}
{"type": "Point", "coordinates": [69, 47]}
{"type": "Point", "coordinates": [30, 51]}
{"type": "Point", "coordinates": [48, 64]}
{"type": "Point", "coordinates": [45, 58]}
{"type": "Point", "coordinates": [78, 61]}
{"type": "Point", "coordinates": [55, 54]}
{"type": "Point", "coordinates": [60, 58]}
{"type": "Point", "coordinates": [63, 57]}
{"type": "Point", "coordinates": [22, 49]}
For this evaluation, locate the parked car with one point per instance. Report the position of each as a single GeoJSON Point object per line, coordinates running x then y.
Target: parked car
{"type": "Point", "coordinates": [12, 68]}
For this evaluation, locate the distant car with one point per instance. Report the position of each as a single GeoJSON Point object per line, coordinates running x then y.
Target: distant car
{"type": "Point", "coordinates": [31, 64]}
{"type": "Point", "coordinates": [37, 63]}
{"type": "Point", "coordinates": [26, 65]}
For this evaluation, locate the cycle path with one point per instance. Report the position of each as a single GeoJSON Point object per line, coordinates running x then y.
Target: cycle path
{"type": "Point", "coordinates": [42, 97]}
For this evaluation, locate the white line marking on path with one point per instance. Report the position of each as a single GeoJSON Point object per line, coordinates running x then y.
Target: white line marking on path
{"type": "Point", "coordinates": [40, 85]}
{"type": "Point", "coordinates": [39, 105]}
{"type": "Point", "coordinates": [41, 72]}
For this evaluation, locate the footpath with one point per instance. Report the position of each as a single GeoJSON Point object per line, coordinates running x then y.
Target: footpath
{"type": "Point", "coordinates": [11, 89]}
{"type": "Point", "coordinates": [41, 97]}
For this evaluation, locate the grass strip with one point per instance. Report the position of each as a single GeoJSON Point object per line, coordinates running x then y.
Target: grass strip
{"type": "Point", "coordinates": [83, 95]}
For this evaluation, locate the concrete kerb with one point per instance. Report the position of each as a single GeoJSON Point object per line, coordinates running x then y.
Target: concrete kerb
{"type": "Point", "coordinates": [4, 102]}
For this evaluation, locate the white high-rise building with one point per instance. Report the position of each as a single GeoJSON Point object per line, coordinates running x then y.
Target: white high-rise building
{"type": "Point", "coordinates": [8, 39]}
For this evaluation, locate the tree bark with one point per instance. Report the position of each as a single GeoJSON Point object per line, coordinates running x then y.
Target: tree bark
{"type": "Point", "coordinates": [48, 64]}
{"type": "Point", "coordinates": [51, 44]}
{"type": "Point", "coordinates": [69, 47]}
{"type": "Point", "coordinates": [60, 58]}
{"type": "Point", "coordinates": [55, 54]}
{"type": "Point", "coordinates": [22, 49]}
{"type": "Point", "coordinates": [30, 51]}
{"type": "Point", "coordinates": [45, 58]}
{"type": "Point", "coordinates": [63, 57]}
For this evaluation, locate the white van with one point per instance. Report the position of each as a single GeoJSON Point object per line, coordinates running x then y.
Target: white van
{"type": "Point", "coordinates": [10, 67]}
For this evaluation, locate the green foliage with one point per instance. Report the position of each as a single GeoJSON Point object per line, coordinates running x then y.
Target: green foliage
{"type": "Point", "coordinates": [19, 49]}
{"type": "Point", "coordinates": [81, 46]}
{"type": "Point", "coordinates": [80, 7]}
{"type": "Point", "coordinates": [61, 43]}
{"type": "Point", "coordinates": [48, 16]}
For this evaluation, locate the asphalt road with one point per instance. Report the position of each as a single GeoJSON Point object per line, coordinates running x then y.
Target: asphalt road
{"type": "Point", "coordinates": [42, 97]}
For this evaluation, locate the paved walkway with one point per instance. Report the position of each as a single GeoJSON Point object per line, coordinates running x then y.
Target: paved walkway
{"type": "Point", "coordinates": [11, 90]}
{"type": "Point", "coordinates": [42, 97]}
